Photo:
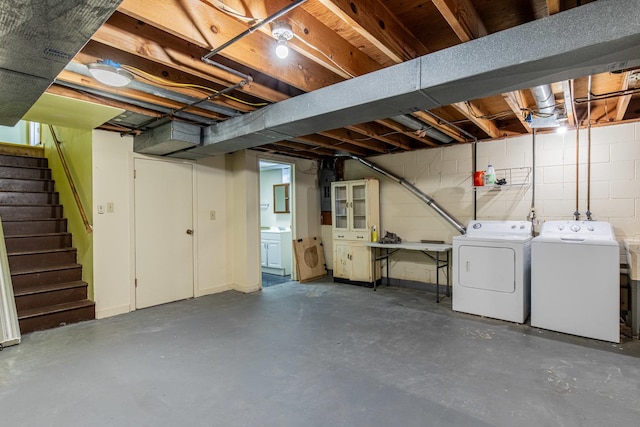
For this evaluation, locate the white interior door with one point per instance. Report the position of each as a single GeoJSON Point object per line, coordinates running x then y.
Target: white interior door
{"type": "Point", "coordinates": [164, 242]}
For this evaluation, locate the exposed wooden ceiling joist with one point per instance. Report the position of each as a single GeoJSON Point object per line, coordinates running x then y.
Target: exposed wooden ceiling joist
{"type": "Point", "coordinates": [333, 40]}
{"type": "Point", "coordinates": [623, 101]}
{"type": "Point", "coordinates": [462, 18]}
{"type": "Point", "coordinates": [516, 103]}
{"type": "Point", "coordinates": [553, 6]}
{"type": "Point", "coordinates": [475, 113]}
{"type": "Point", "coordinates": [373, 20]}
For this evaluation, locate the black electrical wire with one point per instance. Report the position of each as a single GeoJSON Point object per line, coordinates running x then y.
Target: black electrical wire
{"type": "Point", "coordinates": [598, 97]}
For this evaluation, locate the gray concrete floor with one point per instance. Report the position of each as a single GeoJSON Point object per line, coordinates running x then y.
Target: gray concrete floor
{"type": "Point", "coordinates": [319, 354]}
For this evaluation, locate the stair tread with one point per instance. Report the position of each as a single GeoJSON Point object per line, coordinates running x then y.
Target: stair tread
{"type": "Point", "coordinates": [34, 312]}
{"type": "Point", "coordinates": [16, 272]}
{"type": "Point", "coordinates": [22, 236]}
{"type": "Point", "coordinates": [32, 219]}
{"type": "Point", "coordinates": [26, 191]}
{"type": "Point", "coordinates": [24, 167]}
{"type": "Point", "coordinates": [2, 154]}
{"type": "Point", "coordinates": [30, 205]}
{"type": "Point", "coordinates": [48, 287]}
{"type": "Point", "coordinates": [28, 179]}
{"type": "Point", "coordinates": [41, 251]}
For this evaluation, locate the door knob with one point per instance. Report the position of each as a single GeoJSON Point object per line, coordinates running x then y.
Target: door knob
{"type": "Point", "coordinates": [189, 231]}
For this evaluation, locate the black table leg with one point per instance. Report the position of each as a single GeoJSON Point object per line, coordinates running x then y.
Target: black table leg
{"type": "Point", "coordinates": [448, 275]}
{"type": "Point", "coordinates": [438, 277]}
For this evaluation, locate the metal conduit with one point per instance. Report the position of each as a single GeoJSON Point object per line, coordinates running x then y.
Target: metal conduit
{"type": "Point", "coordinates": [588, 213]}
{"type": "Point", "coordinates": [422, 196]}
{"type": "Point", "coordinates": [252, 29]}
{"type": "Point", "coordinates": [576, 214]}
{"type": "Point", "coordinates": [187, 116]}
{"type": "Point", "coordinates": [197, 102]}
{"type": "Point", "coordinates": [158, 91]}
{"type": "Point", "coordinates": [532, 213]}
{"type": "Point", "coordinates": [207, 58]}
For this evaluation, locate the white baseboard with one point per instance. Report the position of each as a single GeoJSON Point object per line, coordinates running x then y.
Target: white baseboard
{"type": "Point", "coordinates": [213, 290]}
{"type": "Point", "coordinates": [112, 311]}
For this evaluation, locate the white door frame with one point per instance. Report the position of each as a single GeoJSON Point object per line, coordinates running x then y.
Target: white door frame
{"type": "Point", "coordinates": [135, 157]}
{"type": "Point", "coordinates": [292, 206]}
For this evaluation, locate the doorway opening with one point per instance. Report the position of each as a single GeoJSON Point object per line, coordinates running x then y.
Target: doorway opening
{"type": "Point", "coordinates": [276, 220]}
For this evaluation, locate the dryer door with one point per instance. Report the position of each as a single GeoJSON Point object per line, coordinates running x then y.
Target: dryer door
{"type": "Point", "coordinates": [488, 268]}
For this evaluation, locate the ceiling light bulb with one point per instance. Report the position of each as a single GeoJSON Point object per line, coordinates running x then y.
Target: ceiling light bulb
{"type": "Point", "coordinates": [282, 51]}
{"type": "Point", "coordinates": [561, 129]}
{"type": "Point", "coordinates": [110, 73]}
{"type": "Point", "coordinates": [282, 32]}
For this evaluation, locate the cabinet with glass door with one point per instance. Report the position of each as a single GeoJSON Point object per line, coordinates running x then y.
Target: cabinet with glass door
{"type": "Point", "coordinates": [355, 210]}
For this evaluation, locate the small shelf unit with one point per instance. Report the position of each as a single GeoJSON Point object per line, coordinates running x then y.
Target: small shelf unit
{"type": "Point", "coordinates": [514, 177]}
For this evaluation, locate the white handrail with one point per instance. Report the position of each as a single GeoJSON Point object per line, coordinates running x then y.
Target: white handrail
{"type": "Point", "coordinates": [9, 327]}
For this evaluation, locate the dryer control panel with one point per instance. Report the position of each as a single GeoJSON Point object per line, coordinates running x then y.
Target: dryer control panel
{"type": "Point", "coordinates": [499, 228]}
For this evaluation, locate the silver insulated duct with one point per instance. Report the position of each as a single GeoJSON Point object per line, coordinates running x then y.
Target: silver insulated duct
{"type": "Point", "coordinates": [38, 39]}
{"type": "Point", "coordinates": [545, 101]}
{"type": "Point", "coordinates": [546, 115]}
{"type": "Point", "coordinates": [415, 124]}
{"type": "Point", "coordinates": [428, 200]}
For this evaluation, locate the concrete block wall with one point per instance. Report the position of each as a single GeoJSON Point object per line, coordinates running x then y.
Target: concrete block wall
{"type": "Point", "coordinates": [446, 175]}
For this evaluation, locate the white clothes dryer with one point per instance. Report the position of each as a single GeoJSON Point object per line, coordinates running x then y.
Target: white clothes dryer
{"type": "Point", "coordinates": [575, 279]}
{"type": "Point", "coordinates": [491, 270]}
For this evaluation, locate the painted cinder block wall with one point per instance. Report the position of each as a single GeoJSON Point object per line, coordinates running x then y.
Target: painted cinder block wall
{"type": "Point", "coordinates": [446, 175]}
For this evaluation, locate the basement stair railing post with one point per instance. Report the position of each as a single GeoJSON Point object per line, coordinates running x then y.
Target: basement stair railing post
{"type": "Point", "coordinates": [76, 196]}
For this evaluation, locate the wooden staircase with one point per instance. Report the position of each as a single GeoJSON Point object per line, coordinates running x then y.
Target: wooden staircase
{"type": "Point", "coordinates": [47, 280]}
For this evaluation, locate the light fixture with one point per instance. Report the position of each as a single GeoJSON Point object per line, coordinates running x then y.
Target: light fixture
{"type": "Point", "coordinates": [282, 32]}
{"type": "Point", "coordinates": [110, 73]}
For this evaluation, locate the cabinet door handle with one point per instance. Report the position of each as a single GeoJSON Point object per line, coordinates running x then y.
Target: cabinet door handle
{"type": "Point", "coordinates": [468, 266]}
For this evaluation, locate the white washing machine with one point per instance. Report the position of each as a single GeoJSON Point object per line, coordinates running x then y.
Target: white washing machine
{"type": "Point", "coordinates": [491, 270]}
{"type": "Point", "coordinates": [575, 279]}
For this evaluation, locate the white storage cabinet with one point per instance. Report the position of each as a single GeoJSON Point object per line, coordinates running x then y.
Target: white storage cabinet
{"type": "Point", "coordinates": [275, 251]}
{"type": "Point", "coordinates": [355, 210]}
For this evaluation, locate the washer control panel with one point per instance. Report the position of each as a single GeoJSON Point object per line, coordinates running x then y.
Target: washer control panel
{"type": "Point", "coordinates": [582, 229]}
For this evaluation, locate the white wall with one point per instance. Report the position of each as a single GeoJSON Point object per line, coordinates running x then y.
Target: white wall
{"type": "Point", "coordinates": [212, 270]}
{"type": "Point", "coordinates": [18, 134]}
{"type": "Point", "coordinates": [114, 263]}
{"type": "Point", "coordinates": [112, 232]}
{"type": "Point", "coordinates": [267, 218]}
{"type": "Point", "coordinates": [445, 175]}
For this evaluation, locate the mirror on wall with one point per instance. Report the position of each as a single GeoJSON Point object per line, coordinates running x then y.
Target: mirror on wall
{"type": "Point", "coordinates": [281, 198]}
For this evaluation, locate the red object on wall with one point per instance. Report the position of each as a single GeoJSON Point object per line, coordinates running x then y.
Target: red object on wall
{"type": "Point", "coordinates": [478, 178]}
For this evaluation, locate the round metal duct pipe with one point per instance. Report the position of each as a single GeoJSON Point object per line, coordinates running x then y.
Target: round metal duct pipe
{"type": "Point", "coordinates": [545, 101]}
